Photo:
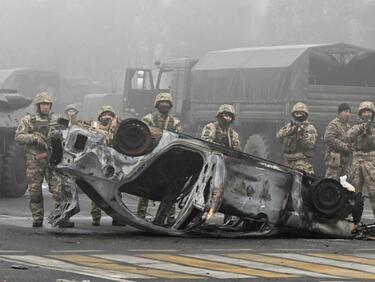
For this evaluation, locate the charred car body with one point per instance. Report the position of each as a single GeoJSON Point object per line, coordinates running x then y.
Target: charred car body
{"type": "Point", "coordinates": [203, 180]}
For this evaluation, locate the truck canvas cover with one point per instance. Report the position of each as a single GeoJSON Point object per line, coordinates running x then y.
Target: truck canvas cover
{"type": "Point", "coordinates": [278, 73]}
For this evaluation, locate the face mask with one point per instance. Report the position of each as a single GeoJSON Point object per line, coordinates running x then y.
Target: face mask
{"type": "Point", "coordinates": [105, 121]}
{"type": "Point", "coordinates": [223, 122]}
{"type": "Point", "coordinates": [301, 118]}
{"type": "Point", "coordinates": [366, 117]}
{"type": "Point", "coordinates": [164, 108]}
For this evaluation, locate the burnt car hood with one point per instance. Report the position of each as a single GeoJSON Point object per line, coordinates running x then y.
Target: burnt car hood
{"type": "Point", "coordinates": [202, 181]}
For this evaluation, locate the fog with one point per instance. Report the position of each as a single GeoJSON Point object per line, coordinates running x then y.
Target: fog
{"type": "Point", "coordinates": [98, 39]}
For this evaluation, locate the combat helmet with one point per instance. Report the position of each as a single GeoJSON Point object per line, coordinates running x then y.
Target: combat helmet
{"type": "Point", "coordinates": [366, 105]}
{"type": "Point", "coordinates": [300, 107]}
{"type": "Point", "coordinates": [226, 108]}
{"type": "Point", "coordinates": [42, 97]}
{"type": "Point", "coordinates": [71, 107]}
{"type": "Point", "coordinates": [105, 109]}
{"type": "Point", "coordinates": [161, 97]}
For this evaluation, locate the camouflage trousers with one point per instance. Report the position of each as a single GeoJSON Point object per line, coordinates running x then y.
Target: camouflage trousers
{"type": "Point", "coordinates": [335, 172]}
{"type": "Point", "coordinates": [143, 205]}
{"type": "Point", "coordinates": [96, 212]}
{"type": "Point", "coordinates": [301, 164]}
{"type": "Point", "coordinates": [36, 172]}
{"type": "Point", "coordinates": [363, 173]}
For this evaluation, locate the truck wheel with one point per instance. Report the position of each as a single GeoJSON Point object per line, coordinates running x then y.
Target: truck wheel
{"type": "Point", "coordinates": [14, 182]}
{"type": "Point", "coordinates": [257, 145]}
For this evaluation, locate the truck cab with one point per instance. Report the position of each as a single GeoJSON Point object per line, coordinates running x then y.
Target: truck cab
{"type": "Point", "coordinates": [173, 76]}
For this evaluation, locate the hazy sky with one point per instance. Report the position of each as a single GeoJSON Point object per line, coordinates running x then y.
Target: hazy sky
{"type": "Point", "coordinates": [97, 39]}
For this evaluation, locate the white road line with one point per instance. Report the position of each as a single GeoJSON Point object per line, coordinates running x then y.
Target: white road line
{"type": "Point", "coordinates": [151, 250]}
{"type": "Point", "coordinates": [369, 256]}
{"type": "Point", "coordinates": [299, 250]}
{"type": "Point", "coordinates": [144, 262]}
{"type": "Point", "coordinates": [227, 250]}
{"type": "Point", "coordinates": [337, 263]}
{"type": "Point", "coordinates": [75, 251]}
{"type": "Point", "coordinates": [361, 250]}
{"type": "Point", "coordinates": [263, 266]}
{"type": "Point", "coordinates": [72, 268]}
{"type": "Point", "coordinates": [11, 251]}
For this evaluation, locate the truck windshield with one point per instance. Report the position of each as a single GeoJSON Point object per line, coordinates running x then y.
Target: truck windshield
{"type": "Point", "coordinates": [166, 80]}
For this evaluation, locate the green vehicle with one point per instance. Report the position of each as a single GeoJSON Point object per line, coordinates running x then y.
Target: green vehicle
{"type": "Point", "coordinates": [262, 83]}
{"type": "Point", "coordinates": [29, 82]}
{"type": "Point", "coordinates": [13, 107]}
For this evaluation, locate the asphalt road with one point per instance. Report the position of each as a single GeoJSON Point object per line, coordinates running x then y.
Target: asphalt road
{"type": "Point", "coordinates": [108, 253]}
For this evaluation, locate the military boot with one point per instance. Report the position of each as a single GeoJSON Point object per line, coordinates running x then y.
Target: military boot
{"type": "Point", "coordinates": [66, 224]}
{"type": "Point", "coordinates": [95, 222]}
{"type": "Point", "coordinates": [38, 223]}
{"type": "Point", "coordinates": [116, 222]}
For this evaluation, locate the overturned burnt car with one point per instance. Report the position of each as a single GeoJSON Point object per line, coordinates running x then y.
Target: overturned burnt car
{"type": "Point", "coordinates": [202, 181]}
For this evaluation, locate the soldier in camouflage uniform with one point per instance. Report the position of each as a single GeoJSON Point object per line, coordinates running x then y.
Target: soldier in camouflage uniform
{"type": "Point", "coordinates": [298, 138]}
{"type": "Point", "coordinates": [71, 113]}
{"type": "Point", "coordinates": [338, 148]}
{"type": "Point", "coordinates": [221, 131]}
{"type": "Point", "coordinates": [164, 120]}
{"type": "Point", "coordinates": [33, 132]}
{"type": "Point", "coordinates": [362, 136]}
{"type": "Point", "coordinates": [108, 122]}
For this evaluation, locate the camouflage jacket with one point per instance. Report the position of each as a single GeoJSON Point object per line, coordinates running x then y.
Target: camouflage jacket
{"type": "Point", "coordinates": [363, 140]}
{"type": "Point", "coordinates": [156, 120]}
{"type": "Point", "coordinates": [335, 136]}
{"type": "Point", "coordinates": [298, 142]}
{"type": "Point", "coordinates": [35, 128]}
{"type": "Point", "coordinates": [213, 132]}
{"type": "Point", "coordinates": [109, 130]}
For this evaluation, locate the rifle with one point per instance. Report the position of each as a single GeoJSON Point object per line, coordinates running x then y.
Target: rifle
{"type": "Point", "coordinates": [298, 128]}
{"type": "Point", "coordinates": [367, 126]}
{"type": "Point", "coordinates": [49, 137]}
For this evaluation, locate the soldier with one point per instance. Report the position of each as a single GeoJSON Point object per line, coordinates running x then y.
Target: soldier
{"type": "Point", "coordinates": [362, 135]}
{"type": "Point", "coordinates": [33, 131]}
{"type": "Point", "coordinates": [338, 148]}
{"type": "Point", "coordinates": [163, 120]}
{"type": "Point", "coordinates": [221, 131]}
{"type": "Point", "coordinates": [298, 138]}
{"type": "Point", "coordinates": [108, 122]}
{"type": "Point", "coordinates": [71, 112]}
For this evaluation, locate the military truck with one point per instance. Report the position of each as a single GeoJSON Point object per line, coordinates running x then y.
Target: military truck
{"type": "Point", "coordinates": [29, 82]}
{"type": "Point", "coordinates": [13, 106]}
{"type": "Point", "coordinates": [262, 83]}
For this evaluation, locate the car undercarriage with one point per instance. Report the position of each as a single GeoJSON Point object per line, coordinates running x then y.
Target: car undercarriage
{"type": "Point", "coordinates": [202, 181]}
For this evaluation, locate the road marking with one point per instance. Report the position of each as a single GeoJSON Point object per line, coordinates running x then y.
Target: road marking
{"type": "Point", "coordinates": [109, 265]}
{"type": "Point", "coordinates": [347, 258]}
{"type": "Point", "coordinates": [370, 256]}
{"type": "Point", "coordinates": [193, 262]}
{"type": "Point", "coordinates": [12, 251]}
{"type": "Point", "coordinates": [71, 268]}
{"type": "Point", "coordinates": [227, 250]}
{"type": "Point", "coordinates": [144, 262]}
{"type": "Point", "coordinates": [151, 250]}
{"type": "Point", "coordinates": [295, 263]}
{"type": "Point", "coordinates": [75, 251]}
{"type": "Point", "coordinates": [343, 268]}
{"type": "Point", "coordinates": [298, 250]}
{"type": "Point", "coordinates": [263, 266]}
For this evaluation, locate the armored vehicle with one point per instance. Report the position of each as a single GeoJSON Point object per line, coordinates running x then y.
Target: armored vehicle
{"type": "Point", "coordinates": [28, 82]}
{"type": "Point", "coordinates": [13, 107]}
